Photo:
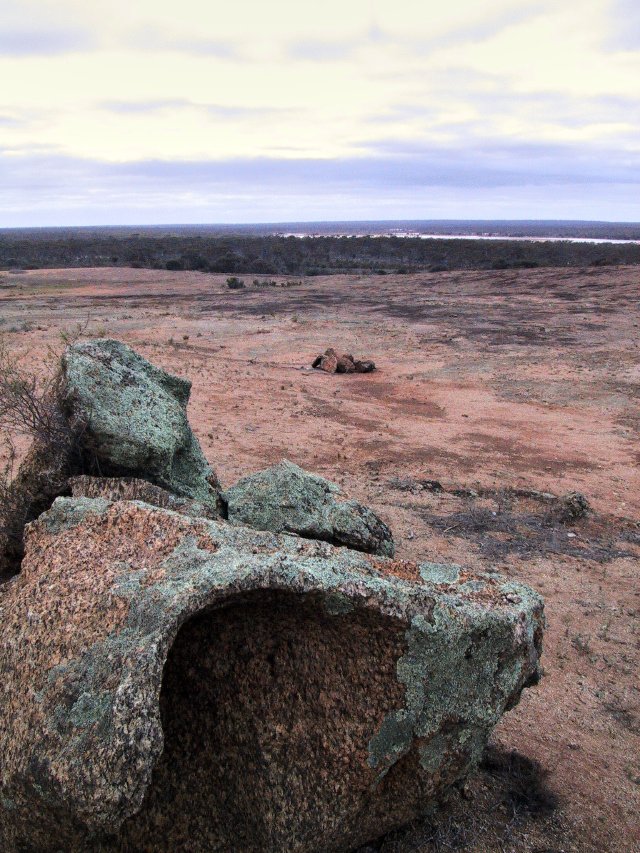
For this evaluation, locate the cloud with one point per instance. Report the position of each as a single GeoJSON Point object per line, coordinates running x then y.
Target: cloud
{"type": "Point", "coordinates": [624, 31]}
{"type": "Point", "coordinates": [46, 41]}
{"type": "Point", "coordinates": [159, 105]}
{"type": "Point", "coordinates": [387, 166]}
{"type": "Point", "coordinates": [155, 39]}
{"type": "Point", "coordinates": [495, 164]}
{"type": "Point", "coordinates": [481, 30]}
{"type": "Point", "coordinates": [494, 180]}
{"type": "Point", "coordinates": [145, 107]}
{"type": "Point", "coordinates": [320, 51]}
{"type": "Point", "coordinates": [485, 102]}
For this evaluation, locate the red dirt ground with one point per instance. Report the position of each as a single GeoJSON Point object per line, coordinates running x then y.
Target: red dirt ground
{"type": "Point", "coordinates": [488, 382]}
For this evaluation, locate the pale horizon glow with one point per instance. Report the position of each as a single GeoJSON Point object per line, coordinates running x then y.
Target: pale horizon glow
{"type": "Point", "coordinates": [147, 112]}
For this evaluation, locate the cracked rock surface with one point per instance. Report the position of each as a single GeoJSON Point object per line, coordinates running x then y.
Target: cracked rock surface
{"type": "Point", "coordinates": [195, 685]}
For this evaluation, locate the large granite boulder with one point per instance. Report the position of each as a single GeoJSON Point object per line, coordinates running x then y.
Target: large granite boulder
{"type": "Point", "coordinates": [109, 412]}
{"type": "Point", "coordinates": [171, 683]}
{"type": "Point", "coordinates": [286, 498]}
{"type": "Point", "coordinates": [136, 419]}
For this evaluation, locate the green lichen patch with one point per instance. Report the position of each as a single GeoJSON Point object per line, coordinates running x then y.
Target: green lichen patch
{"type": "Point", "coordinates": [285, 498]}
{"type": "Point", "coordinates": [136, 419]}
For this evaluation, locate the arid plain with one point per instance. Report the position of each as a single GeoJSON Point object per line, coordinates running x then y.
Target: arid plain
{"type": "Point", "coordinates": [493, 391]}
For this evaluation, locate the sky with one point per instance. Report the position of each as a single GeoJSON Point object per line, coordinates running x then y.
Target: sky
{"type": "Point", "coordinates": [151, 112]}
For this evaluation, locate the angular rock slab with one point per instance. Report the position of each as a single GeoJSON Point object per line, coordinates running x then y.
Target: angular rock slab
{"type": "Point", "coordinates": [134, 489]}
{"type": "Point", "coordinates": [172, 684]}
{"type": "Point", "coordinates": [136, 417]}
{"type": "Point", "coordinates": [287, 499]}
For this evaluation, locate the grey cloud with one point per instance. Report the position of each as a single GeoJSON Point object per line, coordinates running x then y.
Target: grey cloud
{"type": "Point", "coordinates": [624, 34]}
{"type": "Point", "coordinates": [45, 41]}
{"type": "Point", "coordinates": [391, 180]}
{"type": "Point", "coordinates": [388, 164]}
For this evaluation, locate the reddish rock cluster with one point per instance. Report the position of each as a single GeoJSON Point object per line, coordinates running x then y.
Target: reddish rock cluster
{"type": "Point", "coordinates": [331, 362]}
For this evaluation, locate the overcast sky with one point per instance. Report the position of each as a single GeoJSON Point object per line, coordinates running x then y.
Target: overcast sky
{"type": "Point", "coordinates": [144, 111]}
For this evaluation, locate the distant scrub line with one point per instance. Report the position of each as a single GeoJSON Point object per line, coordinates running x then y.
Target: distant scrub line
{"type": "Point", "coordinates": [273, 255]}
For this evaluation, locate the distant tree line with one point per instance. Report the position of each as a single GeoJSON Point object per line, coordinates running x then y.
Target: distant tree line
{"type": "Point", "coordinates": [307, 256]}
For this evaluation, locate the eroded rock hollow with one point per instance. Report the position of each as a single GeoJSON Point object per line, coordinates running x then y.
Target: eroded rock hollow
{"type": "Point", "coordinates": [194, 685]}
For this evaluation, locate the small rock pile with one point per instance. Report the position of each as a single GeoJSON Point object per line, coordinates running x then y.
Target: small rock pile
{"type": "Point", "coordinates": [331, 362]}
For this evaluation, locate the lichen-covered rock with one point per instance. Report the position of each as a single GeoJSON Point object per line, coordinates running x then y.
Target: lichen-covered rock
{"type": "Point", "coordinates": [285, 498]}
{"type": "Point", "coordinates": [136, 416]}
{"type": "Point", "coordinates": [174, 684]}
{"type": "Point", "coordinates": [111, 411]}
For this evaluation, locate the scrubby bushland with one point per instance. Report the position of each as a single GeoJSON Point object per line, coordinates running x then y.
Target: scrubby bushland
{"type": "Point", "coordinates": [279, 255]}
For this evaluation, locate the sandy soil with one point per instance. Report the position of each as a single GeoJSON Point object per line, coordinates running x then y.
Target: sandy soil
{"type": "Point", "coordinates": [497, 385]}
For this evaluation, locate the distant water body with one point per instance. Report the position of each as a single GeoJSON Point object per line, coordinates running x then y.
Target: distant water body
{"type": "Point", "coordinates": [419, 236]}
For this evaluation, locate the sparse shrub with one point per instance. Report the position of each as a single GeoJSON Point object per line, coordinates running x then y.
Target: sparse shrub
{"type": "Point", "coordinates": [32, 407]}
{"type": "Point", "coordinates": [234, 283]}
{"type": "Point", "coordinates": [582, 644]}
{"type": "Point", "coordinates": [70, 336]}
